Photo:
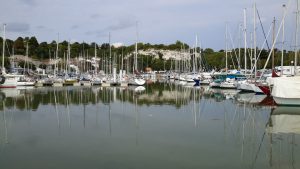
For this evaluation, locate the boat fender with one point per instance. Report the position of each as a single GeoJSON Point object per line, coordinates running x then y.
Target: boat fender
{"type": "Point", "coordinates": [2, 79]}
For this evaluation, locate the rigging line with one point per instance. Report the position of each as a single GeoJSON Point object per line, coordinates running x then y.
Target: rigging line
{"type": "Point", "coordinates": [262, 48]}
{"type": "Point", "coordinates": [256, 155]}
{"type": "Point", "coordinates": [231, 57]}
{"type": "Point", "coordinates": [7, 48]}
{"type": "Point", "coordinates": [262, 27]}
{"type": "Point", "coordinates": [232, 44]}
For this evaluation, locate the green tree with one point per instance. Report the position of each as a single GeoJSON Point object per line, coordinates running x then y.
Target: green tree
{"type": "Point", "coordinates": [19, 46]}
{"type": "Point", "coordinates": [33, 46]}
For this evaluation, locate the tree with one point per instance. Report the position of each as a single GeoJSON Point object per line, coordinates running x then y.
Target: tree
{"type": "Point", "coordinates": [43, 51]}
{"type": "Point", "coordinates": [33, 45]}
{"type": "Point", "coordinates": [208, 51]}
{"type": "Point", "coordinates": [19, 46]}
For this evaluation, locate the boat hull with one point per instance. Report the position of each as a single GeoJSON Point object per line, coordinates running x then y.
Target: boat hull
{"type": "Point", "coordinates": [8, 82]}
{"type": "Point", "coordinates": [137, 82]}
{"type": "Point", "coordinates": [287, 101]}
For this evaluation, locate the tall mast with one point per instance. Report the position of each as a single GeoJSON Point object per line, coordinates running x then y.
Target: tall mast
{"type": "Point", "coordinates": [96, 66]}
{"type": "Point", "coordinates": [226, 48]}
{"type": "Point", "coordinates": [200, 53]}
{"type": "Point", "coordinates": [195, 55]}
{"type": "Point", "coordinates": [109, 62]}
{"type": "Point", "coordinates": [26, 59]}
{"type": "Point", "coordinates": [69, 56]}
{"type": "Point", "coordinates": [56, 55]}
{"type": "Point", "coordinates": [239, 61]}
{"type": "Point", "coordinates": [245, 39]}
{"type": "Point", "coordinates": [136, 43]}
{"type": "Point", "coordinates": [251, 50]}
{"type": "Point", "coordinates": [273, 52]}
{"type": "Point", "coordinates": [254, 40]}
{"type": "Point", "coordinates": [3, 49]}
{"type": "Point", "coordinates": [296, 38]}
{"type": "Point", "coordinates": [282, 49]}
{"type": "Point", "coordinates": [122, 60]}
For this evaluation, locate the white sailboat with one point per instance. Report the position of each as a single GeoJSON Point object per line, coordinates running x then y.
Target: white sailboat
{"type": "Point", "coordinates": [136, 79]}
{"type": "Point", "coordinates": [6, 80]}
{"type": "Point", "coordinates": [228, 83]}
{"type": "Point", "coordinates": [249, 85]}
{"type": "Point", "coordinates": [24, 80]}
{"type": "Point", "coordinates": [286, 90]}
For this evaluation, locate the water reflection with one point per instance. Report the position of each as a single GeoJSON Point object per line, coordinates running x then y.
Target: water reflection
{"type": "Point", "coordinates": [159, 126]}
{"type": "Point", "coordinates": [283, 131]}
{"type": "Point", "coordinates": [285, 120]}
{"type": "Point", "coordinates": [156, 94]}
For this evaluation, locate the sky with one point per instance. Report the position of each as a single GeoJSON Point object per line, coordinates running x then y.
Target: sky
{"type": "Point", "coordinates": [158, 21]}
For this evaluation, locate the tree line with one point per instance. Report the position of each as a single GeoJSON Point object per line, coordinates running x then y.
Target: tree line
{"type": "Point", "coordinates": [210, 59]}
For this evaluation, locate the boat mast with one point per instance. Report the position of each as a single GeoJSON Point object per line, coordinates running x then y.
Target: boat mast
{"type": "Point", "coordinates": [254, 41]}
{"type": "Point", "coordinates": [3, 49]}
{"type": "Point", "coordinates": [296, 38]}
{"type": "Point", "coordinates": [56, 55]}
{"type": "Point", "coordinates": [109, 62]}
{"type": "Point", "coordinates": [195, 55]}
{"type": "Point", "coordinates": [135, 56]}
{"type": "Point", "coordinates": [26, 60]}
{"type": "Point", "coordinates": [69, 56]}
{"type": "Point", "coordinates": [239, 61]}
{"type": "Point", "coordinates": [226, 48]}
{"type": "Point", "coordinates": [96, 66]}
{"type": "Point", "coordinates": [282, 49]}
{"type": "Point", "coordinates": [200, 53]}
{"type": "Point", "coordinates": [273, 52]}
{"type": "Point", "coordinates": [245, 39]}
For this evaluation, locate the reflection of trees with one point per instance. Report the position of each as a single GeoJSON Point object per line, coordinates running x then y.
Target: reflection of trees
{"type": "Point", "coordinates": [155, 94]}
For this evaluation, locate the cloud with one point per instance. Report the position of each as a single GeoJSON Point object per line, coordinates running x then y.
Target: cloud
{"type": "Point", "coordinates": [121, 24]}
{"type": "Point", "coordinates": [18, 27]}
{"type": "Point", "coordinates": [97, 33]}
{"type": "Point", "coordinates": [29, 2]}
{"type": "Point", "coordinates": [74, 27]}
{"type": "Point", "coordinates": [40, 27]}
{"type": "Point", "coordinates": [95, 16]}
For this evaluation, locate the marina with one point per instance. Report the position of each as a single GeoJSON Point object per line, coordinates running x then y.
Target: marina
{"type": "Point", "coordinates": [149, 84]}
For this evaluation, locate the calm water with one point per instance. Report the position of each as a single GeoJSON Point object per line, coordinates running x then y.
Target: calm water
{"type": "Point", "coordinates": [161, 126]}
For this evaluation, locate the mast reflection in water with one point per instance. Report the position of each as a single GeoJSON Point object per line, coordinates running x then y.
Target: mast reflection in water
{"type": "Point", "coordinates": [157, 126]}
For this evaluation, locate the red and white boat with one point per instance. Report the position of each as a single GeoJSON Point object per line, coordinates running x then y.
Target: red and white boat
{"type": "Point", "coordinates": [8, 81]}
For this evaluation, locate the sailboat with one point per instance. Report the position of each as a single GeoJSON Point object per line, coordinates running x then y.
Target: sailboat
{"type": "Point", "coordinates": [24, 80]}
{"type": "Point", "coordinates": [6, 80]}
{"type": "Point", "coordinates": [286, 90]}
{"type": "Point", "coordinates": [137, 79]}
{"type": "Point", "coordinates": [250, 85]}
{"type": "Point", "coordinates": [228, 83]}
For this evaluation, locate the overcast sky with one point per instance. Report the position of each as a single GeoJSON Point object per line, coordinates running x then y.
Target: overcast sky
{"type": "Point", "coordinates": [159, 21]}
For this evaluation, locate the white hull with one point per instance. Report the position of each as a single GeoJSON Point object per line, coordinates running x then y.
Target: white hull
{"type": "Point", "coordinates": [214, 84]}
{"type": "Point", "coordinates": [25, 83]}
{"type": "Point", "coordinates": [8, 82]}
{"type": "Point", "coordinates": [248, 87]}
{"type": "Point", "coordinates": [287, 101]}
{"type": "Point", "coordinates": [137, 82]}
{"type": "Point", "coordinates": [228, 85]}
{"type": "Point", "coordinates": [286, 90]}
{"type": "Point", "coordinates": [190, 83]}
{"type": "Point", "coordinates": [244, 86]}
{"type": "Point", "coordinates": [205, 82]}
